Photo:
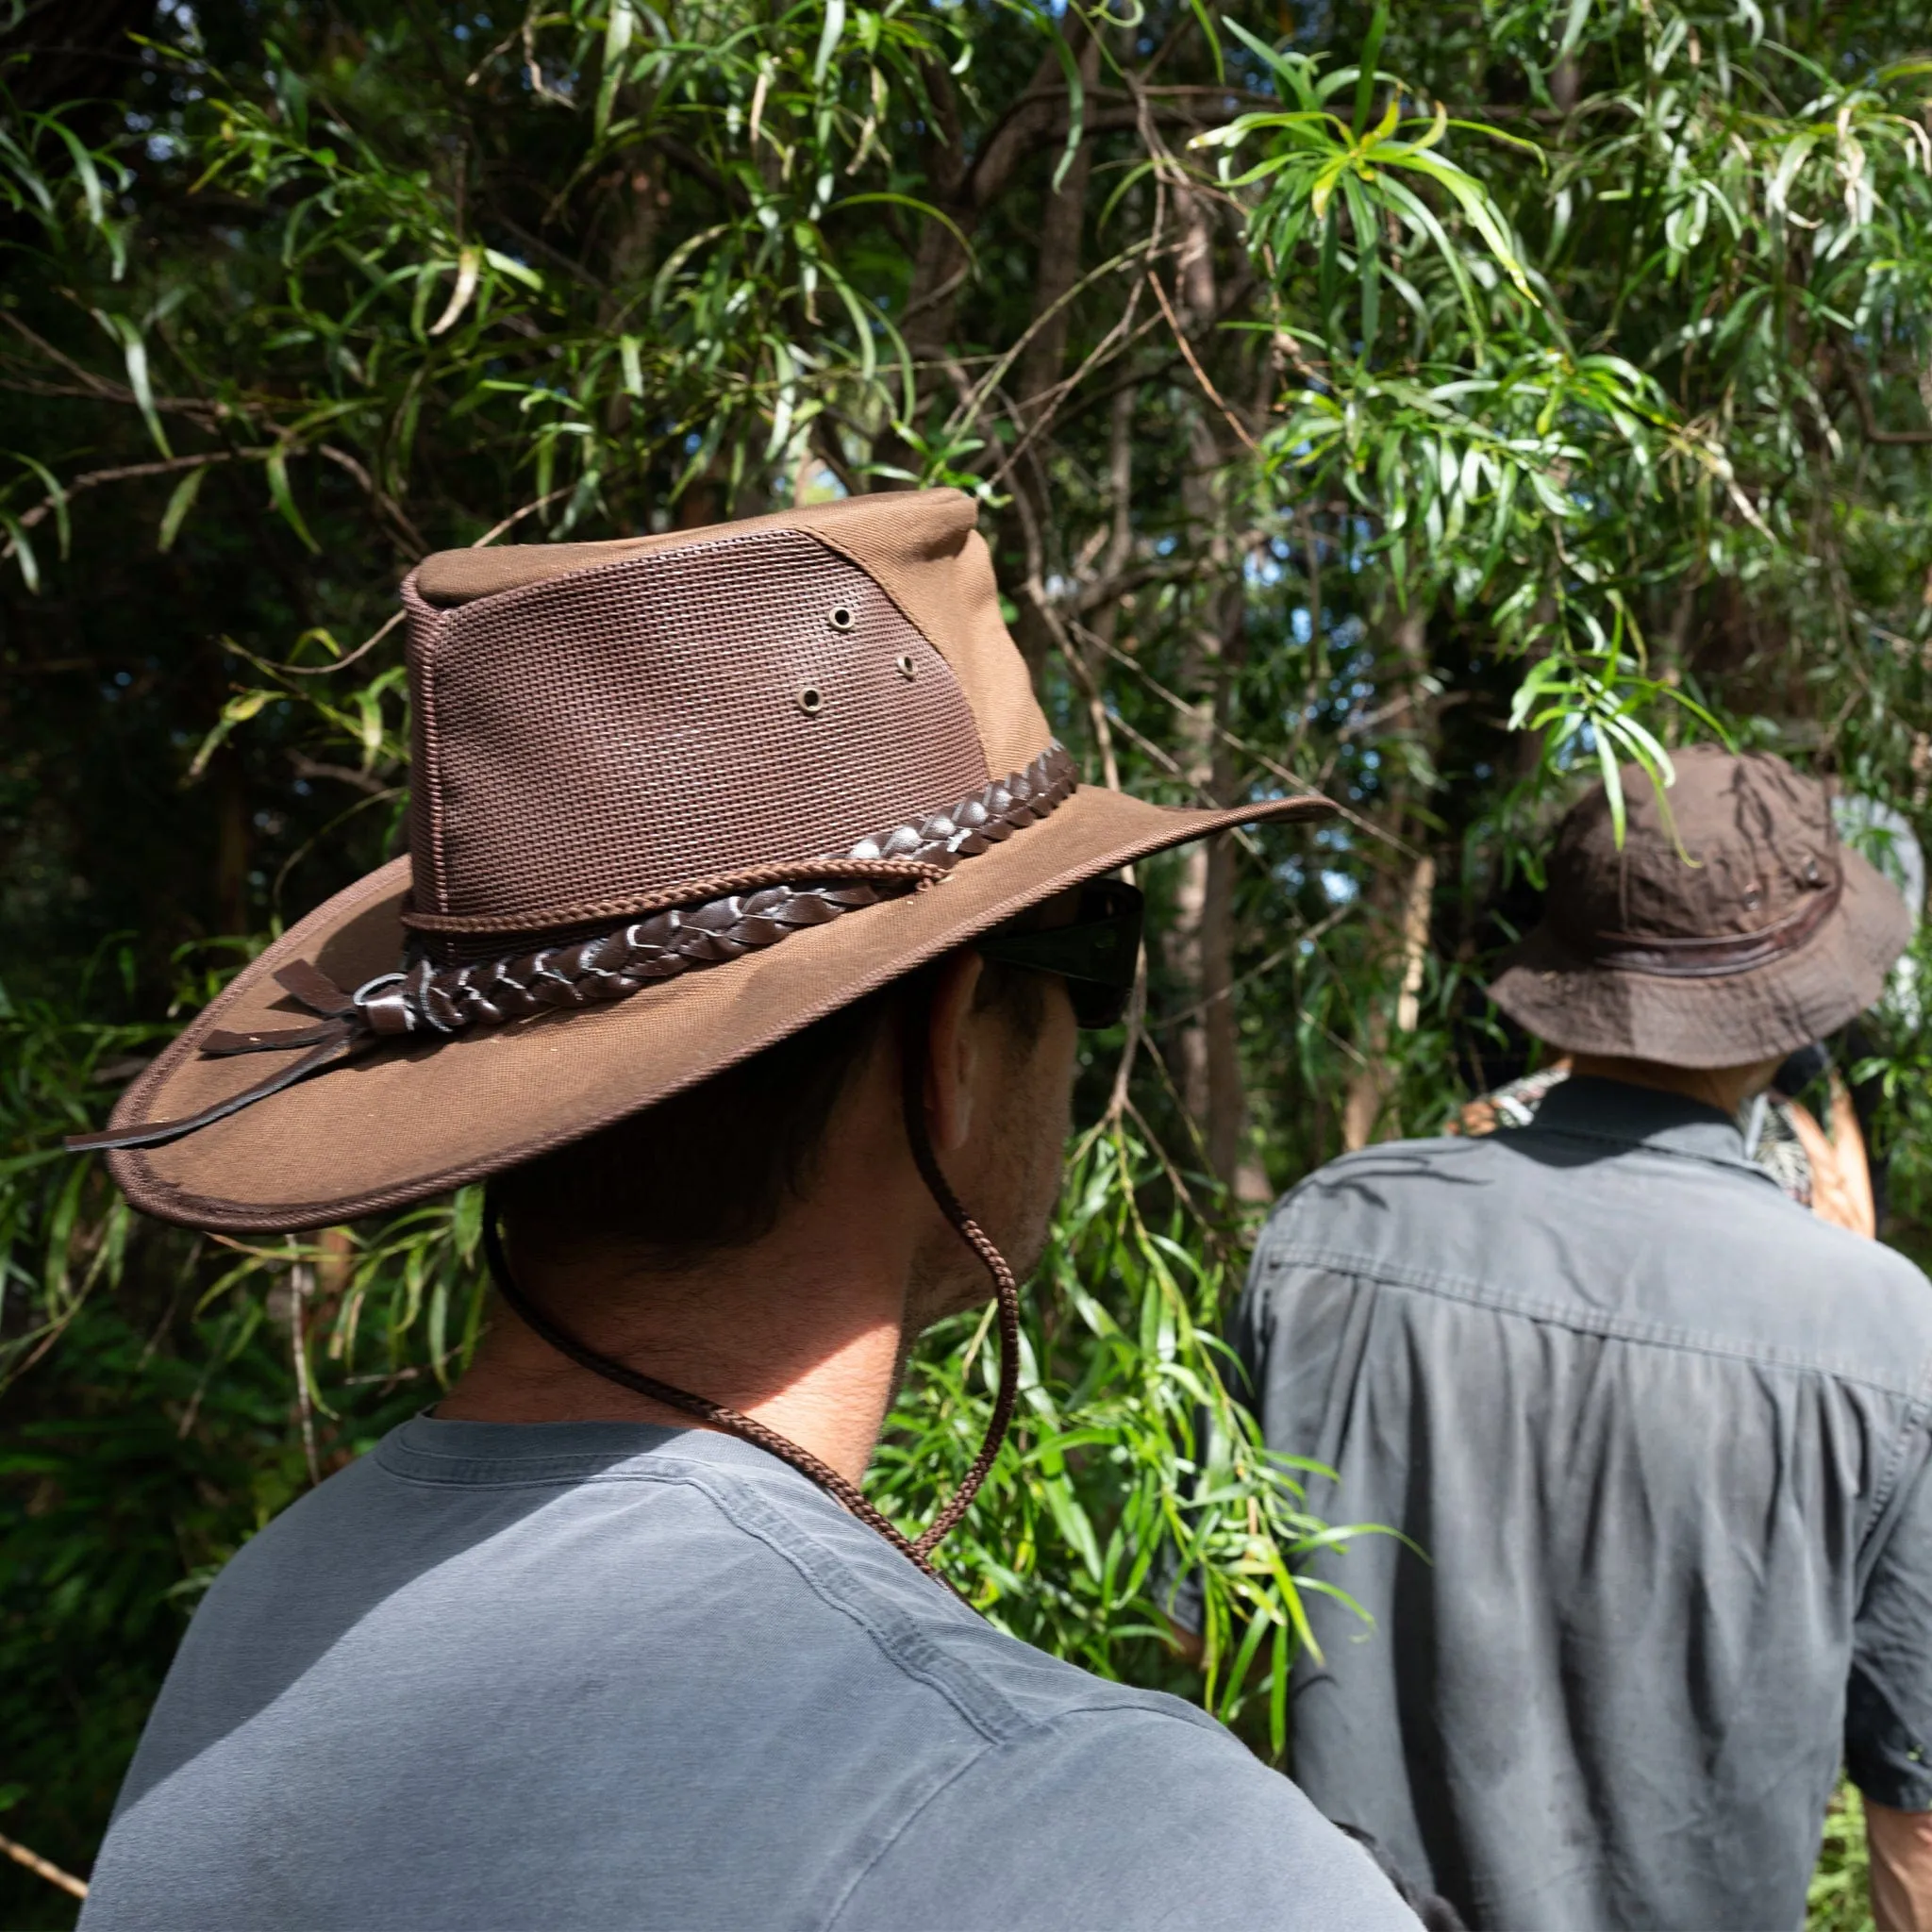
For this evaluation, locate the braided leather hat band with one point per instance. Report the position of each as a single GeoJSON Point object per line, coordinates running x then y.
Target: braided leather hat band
{"type": "Point", "coordinates": [613, 965]}
{"type": "Point", "coordinates": [432, 1000]}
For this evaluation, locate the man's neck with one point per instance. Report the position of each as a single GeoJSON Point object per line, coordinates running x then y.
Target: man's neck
{"type": "Point", "coordinates": [810, 1349]}
{"type": "Point", "coordinates": [1725, 1088]}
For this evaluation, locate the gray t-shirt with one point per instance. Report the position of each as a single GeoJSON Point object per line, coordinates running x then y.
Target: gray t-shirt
{"type": "Point", "coordinates": [1660, 1440]}
{"type": "Point", "coordinates": [597, 1676]}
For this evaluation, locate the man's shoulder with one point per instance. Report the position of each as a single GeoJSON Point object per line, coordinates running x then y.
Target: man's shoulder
{"type": "Point", "coordinates": [1388, 1188]}
{"type": "Point", "coordinates": [1122, 1817]}
{"type": "Point", "coordinates": [719, 1688]}
{"type": "Point", "coordinates": [1663, 1250]}
{"type": "Point", "coordinates": [700, 1536]}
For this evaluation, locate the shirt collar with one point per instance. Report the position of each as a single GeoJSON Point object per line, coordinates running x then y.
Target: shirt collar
{"type": "Point", "coordinates": [1597, 1109]}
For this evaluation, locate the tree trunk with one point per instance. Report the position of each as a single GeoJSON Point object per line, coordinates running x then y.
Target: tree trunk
{"type": "Point", "coordinates": [1029, 516]}
{"type": "Point", "coordinates": [1399, 897]}
{"type": "Point", "coordinates": [1200, 940]}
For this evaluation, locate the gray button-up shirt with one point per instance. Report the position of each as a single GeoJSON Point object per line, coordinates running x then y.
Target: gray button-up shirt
{"type": "Point", "coordinates": [1663, 1437]}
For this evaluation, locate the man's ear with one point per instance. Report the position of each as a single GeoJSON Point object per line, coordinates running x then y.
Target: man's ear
{"type": "Point", "coordinates": [954, 1045]}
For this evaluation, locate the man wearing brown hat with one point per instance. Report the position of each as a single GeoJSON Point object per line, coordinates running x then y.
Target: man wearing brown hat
{"type": "Point", "coordinates": [749, 914]}
{"type": "Point", "coordinates": [1654, 1435]}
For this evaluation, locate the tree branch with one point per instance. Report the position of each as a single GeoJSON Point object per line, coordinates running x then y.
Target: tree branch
{"type": "Point", "coordinates": [1868, 422]}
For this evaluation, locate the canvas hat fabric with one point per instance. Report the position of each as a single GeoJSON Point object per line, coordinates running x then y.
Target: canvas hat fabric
{"type": "Point", "coordinates": [1732, 927]}
{"type": "Point", "coordinates": [674, 798]}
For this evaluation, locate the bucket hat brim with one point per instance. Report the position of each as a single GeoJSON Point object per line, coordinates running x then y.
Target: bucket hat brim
{"type": "Point", "coordinates": [1572, 1000]}
{"type": "Point", "coordinates": [419, 1119]}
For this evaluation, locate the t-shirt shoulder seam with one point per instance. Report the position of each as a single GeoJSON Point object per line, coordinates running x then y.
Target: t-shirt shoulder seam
{"type": "Point", "coordinates": [991, 1713]}
{"type": "Point", "coordinates": [1186, 1714]}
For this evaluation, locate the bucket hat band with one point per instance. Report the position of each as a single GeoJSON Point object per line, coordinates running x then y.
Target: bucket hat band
{"type": "Point", "coordinates": [1718, 958]}
{"type": "Point", "coordinates": [1729, 925]}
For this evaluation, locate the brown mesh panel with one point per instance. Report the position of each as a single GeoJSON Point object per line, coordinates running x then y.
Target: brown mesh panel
{"type": "Point", "coordinates": [920, 546]}
{"type": "Point", "coordinates": [666, 718]}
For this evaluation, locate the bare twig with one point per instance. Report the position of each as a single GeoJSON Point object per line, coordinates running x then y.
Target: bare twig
{"type": "Point", "coordinates": [300, 1276]}
{"type": "Point", "coordinates": [1214, 396]}
{"type": "Point", "coordinates": [515, 517]}
{"type": "Point", "coordinates": [365, 782]}
{"type": "Point", "coordinates": [43, 1868]}
{"type": "Point", "coordinates": [361, 650]}
{"type": "Point", "coordinates": [376, 494]}
{"type": "Point", "coordinates": [165, 467]}
{"type": "Point", "coordinates": [1868, 423]}
{"type": "Point", "coordinates": [1310, 937]}
{"type": "Point", "coordinates": [1242, 746]}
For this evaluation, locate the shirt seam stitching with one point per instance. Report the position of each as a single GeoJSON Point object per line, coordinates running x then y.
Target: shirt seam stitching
{"type": "Point", "coordinates": [1396, 1275]}
{"type": "Point", "coordinates": [892, 1645]}
{"type": "Point", "coordinates": [1033, 1728]}
{"type": "Point", "coordinates": [1918, 1410]}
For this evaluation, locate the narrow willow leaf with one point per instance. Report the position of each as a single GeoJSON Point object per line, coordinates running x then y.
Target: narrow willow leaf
{"type": "Point", "coordinates": [1077, 102]}
{"type": "Point", "coordinates": [618, 30]}
{"type": "Point", "coordinates": [1365, 81]}
{"type": "Point", "coordinates": [84, 168]}
{"type": "Point", "coordinates": [284, 498]}
{"type": "Point", "coordinates": [57, 497]}
{"type": "Point", "coordinates": [829, 36]}
{"type": "Point", "coordinates": [181, 501]}
{"type": "Point", "coordinates": [1574, 22]}
{"type": "Point", "coordinates": [469, 270]}
{"type": "Point", "coordinates": [134, 355]}
{"type": "Point", "coordinates": [21, 546]}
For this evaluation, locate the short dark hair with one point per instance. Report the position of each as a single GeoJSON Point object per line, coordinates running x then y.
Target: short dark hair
{"type": "Point", "coordinates": [713, 1168]}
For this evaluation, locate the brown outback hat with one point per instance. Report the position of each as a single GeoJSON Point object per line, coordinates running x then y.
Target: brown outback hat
{"type": "Point", "coordinates": [674, 798]}
{"type": "Point", "coordinates": [1772, 934]}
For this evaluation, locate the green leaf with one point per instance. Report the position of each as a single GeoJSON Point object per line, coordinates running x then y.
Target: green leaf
{"type": "Point", "coordinates": [284, 500]}
{"type": "Point", "coordinates": [57, 496]}
{"type": "Point", "coordinates": [1365, 81]}
{"type": "Point", "coordinates": [619, 26]}
{"type": "Point", "coordinates": [21, 546]}
{"type": "Point", "coordinates": [181, 501]}
{"type": "Point", "coordinates": [829, 36]}
{"type": "Point", "coordinates": [134, 355]}
{"type": "Point", "coordinates": [89, 175]}
{"type": "Point", "coordinates": [1574, 22]}
{"type": "Point", "coordinates": [1077, 100]}
{"type": "Point", "coordinates": [469, 271]}
{"type": "Point", "coordinates": [238, 710]}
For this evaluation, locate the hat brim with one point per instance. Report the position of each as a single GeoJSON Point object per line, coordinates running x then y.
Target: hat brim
{"type": "Point", "coordinates": [1577, 1003]}
{"type": "Point", "coordinates": [419, 1119]}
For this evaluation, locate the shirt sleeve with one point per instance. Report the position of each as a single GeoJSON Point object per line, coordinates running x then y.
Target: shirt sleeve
{"type": "Point", "coordinates": [1125, 1818]}
{"type": "Point", "coordinates": [1889, 1700]}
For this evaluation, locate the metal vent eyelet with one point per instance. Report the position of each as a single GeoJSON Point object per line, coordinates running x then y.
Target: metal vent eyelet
{"type": "Point", "coordinates": [904, 664]}
{"type": "Point", "coordinates": [840, 618]}
{"type": "Point", "coordinates": [812, 701]}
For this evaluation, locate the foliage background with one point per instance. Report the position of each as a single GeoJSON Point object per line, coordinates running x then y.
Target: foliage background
{"type": "Point", "coordinates": [1426, 402]}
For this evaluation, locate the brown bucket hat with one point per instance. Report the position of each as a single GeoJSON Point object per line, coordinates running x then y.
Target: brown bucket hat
{"type": "Point", "coordinates": [1770, 936]}
{"type": "Point", "coordinates": [674, 797]}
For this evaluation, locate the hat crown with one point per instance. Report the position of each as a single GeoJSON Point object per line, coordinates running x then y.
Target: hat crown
{"type": "Point", "coordinates": [596, 722]}
{"type": "Point", "coordinates": [1758, 838]}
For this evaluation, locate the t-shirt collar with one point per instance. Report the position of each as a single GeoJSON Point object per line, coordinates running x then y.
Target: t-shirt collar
{"type": "Point", "coordinates": [432, 1449]}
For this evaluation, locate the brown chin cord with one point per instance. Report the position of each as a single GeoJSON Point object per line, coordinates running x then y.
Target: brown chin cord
{"type": "Point", "coordinates": [734, 1422]}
